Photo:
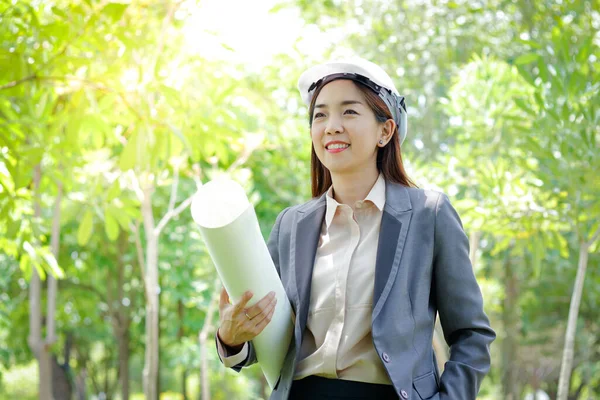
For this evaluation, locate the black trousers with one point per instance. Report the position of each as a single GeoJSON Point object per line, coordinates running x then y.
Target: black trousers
{"type": "Point", "coordinates": [319, 388]}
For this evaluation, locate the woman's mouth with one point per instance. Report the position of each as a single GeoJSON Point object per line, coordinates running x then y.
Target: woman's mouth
{"type": "Point", "coordinates": [337, 147]}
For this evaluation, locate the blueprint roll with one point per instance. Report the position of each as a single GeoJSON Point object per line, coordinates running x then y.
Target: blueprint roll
{"type": "Point", "coordinates": [232, 235]}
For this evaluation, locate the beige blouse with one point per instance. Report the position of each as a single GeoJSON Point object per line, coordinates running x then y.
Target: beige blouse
{"type": "Point", "coordinates": [337, 342]}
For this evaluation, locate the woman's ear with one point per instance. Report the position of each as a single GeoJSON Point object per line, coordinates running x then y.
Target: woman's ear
{"type": "Point", "coordinates": [387, 131]}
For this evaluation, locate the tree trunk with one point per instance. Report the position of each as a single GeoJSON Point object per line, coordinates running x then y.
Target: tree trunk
{"type": "Point", "coordinates": [124, 363]}
{"type": "Point", "coordinates": [180, 336]}
{"type": "Point", "coordinates": [152, 300]}
{"type": "Point", "coordinates": [568, 351]}
{"type": "Point", "coordinates": [45, 370]}
{"type": "Point", "coordinates": [122, 321]}
{"type": "Point", "coordinates": [263, 386]}
{"type": "Point", "coordinates": [474, 239]}
{"type": "Point", "coordinates": [80, 384]}
{"type": "Point", "coordinates": [62, 387]}
{"type": "Point", "coordinates": [510, 383]}
{"type": "Point", "coordinates": [184, 375]}
{"type": "Point", "coordinates": [204, 382]}
{"type": "Point", "coordinates": [203, 339]}
{"type": "Point", "coordinates": [150, 274]}
{"type": "Point", "coordinates": [39, 346]}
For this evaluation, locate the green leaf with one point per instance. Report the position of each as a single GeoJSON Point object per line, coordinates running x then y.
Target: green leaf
{"type": "Point", "coordinates": [111, 227]}
{"type": "Point", "coordinates": [563, 245]}
{"type": "Point", "coordinates": [129, 155]}
{"type": "Point", "coordinates": [6, 180]}
{"type": "Point", "coordinates": [114, 10]}
{"type": "Point", "coordinates": [501, 245]}
{"type": "Point", "coordinates": [30, 261]}
{"type": "Point", "coordinates": [53, 264]}
{"type": "Point", "coordinates": [13, 227]}
{"type": "Point", "coordinates": [177, 132]}
{"type": "Point", "coordinates": [85, 228]}
{"type": "Point", "coordinates": [585, 49]}
{"type": "Point", "coordinates": [30, 250]}
{"type": "Point", "coordinates": [531, 43]}
{"type": "Point", "coordinates": [25, 265]}
{"type": "Point", "coordinates": [526, 74]}
{"type": "Point", "coordinates": [59, 13]}
{"type": "Point", "coordinates": [121, 216]}
{"type": "Point", "coordinates": [114, 191]}
{"type": "Point", "coordinates": [526, 58]}
{"type": "Point", "coordinates": [524, 106]}
{"type": "Point", "coordinates": [172, 95]}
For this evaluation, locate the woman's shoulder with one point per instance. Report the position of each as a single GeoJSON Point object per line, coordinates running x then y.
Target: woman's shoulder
{"type": "Point", "coordinates": [431, 202]}
{"type": "Point", "coordinates": [308, 206]}
{"type": "Point", "coordinates": [419, 198]}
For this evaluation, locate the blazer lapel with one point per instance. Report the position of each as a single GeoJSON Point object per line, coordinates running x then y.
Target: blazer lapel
{"type": "Point", "coordinates": [392, 235]}
{"type": "Point", "coordinates": [304, 250]}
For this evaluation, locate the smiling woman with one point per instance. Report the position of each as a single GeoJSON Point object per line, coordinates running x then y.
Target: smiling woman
{"type": "Point", "coordinates": [367, 263]}
{"type": "Point", "coordinates": [363, 114]}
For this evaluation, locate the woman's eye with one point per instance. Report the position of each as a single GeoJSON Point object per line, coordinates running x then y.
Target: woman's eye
{"type": "Point", "coordinates": [319, 115]}
{"type": "Point", "coordinates": [350, 112]}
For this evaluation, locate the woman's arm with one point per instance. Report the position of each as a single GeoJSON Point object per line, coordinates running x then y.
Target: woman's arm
{"type": "Point", "coordinates": [460, 305]}
{"type": "Point", "coordinates": [245, 357]}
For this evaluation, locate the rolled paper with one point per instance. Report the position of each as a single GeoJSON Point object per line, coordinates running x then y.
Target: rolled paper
{"type": "Point", "coordinates": [232, 235]}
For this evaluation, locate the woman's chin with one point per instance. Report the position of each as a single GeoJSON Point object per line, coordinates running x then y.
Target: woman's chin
{"type": "Point", "coordinates": [339, 168]}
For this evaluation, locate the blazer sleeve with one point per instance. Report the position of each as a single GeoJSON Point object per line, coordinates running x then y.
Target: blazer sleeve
{"type": "Point", "coordinates": [224, 357]}
{"type": "Point", "coordinates": [460, 305]}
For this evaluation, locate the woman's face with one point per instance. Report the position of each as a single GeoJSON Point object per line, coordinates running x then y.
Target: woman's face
{"type": "Point", "coordinates": [344, 130]}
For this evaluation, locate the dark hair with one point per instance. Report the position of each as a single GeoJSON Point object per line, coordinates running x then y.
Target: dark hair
{"type": "Point", "coordinates": [389, 157]}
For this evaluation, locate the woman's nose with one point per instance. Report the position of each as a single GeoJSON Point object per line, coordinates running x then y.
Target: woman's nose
{"type": "Point", "coordinates": [334, 125]}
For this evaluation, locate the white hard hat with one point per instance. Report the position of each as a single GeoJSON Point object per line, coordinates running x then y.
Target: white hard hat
{"type": "Point", "coordinates": [359, 70]}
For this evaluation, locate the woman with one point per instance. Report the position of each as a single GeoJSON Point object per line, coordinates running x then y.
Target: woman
{"type": "Point", "coordinates": [367, 263]}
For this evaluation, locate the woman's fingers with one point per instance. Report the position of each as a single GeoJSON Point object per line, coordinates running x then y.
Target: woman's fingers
{"type": "Point", "coordinates": [266, 313]}
{"type": "Point", "coordinates": [261, 305]}
{"type": "Point", "coordinates": [239, 306]}
{"type": "Point", "coordinates": [239, 328]}
{"type": "Point", "coordinates": [224, 299]}
{"type": "Point", "coordinates": [265, 321]}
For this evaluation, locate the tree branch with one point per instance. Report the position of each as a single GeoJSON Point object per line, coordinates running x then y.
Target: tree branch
{"type": "Point", "coordinates": [594, 237]}
{"type": "Point", "coordinates": [203, 334]}
{"type": "Point", "coordinates": [83, 286]}
{"type": "Point", "coordinates": [246, 153]}
{"type": "Point", "coordinates": [173, 213]}
{"type": "Point", "coordinates": [79, 34]}
{"type": "Point", "coordinates": [136, 187]}
{"type": "Point", "coordinates": [18, 82]}
{"type": "Point", "coordinates": [173, 197]}
{"type": "Point", "coordinates": [92, 84]}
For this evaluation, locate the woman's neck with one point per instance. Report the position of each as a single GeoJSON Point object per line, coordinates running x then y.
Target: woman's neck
{"type": "Point", "coordinates": [353, 187]}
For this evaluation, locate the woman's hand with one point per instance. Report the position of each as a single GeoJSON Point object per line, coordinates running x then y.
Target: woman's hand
{"type": "Point", "coordinates": [240, 324]}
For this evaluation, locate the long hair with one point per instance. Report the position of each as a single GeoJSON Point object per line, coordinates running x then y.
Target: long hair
{"type": "Point", "coordinates": [389, 157]}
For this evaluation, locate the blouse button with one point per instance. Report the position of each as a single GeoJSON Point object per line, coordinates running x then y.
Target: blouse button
{"type": "Point", "coordinates": [404, 394]}
{"type": "Point", "coordinates": [386, 358]}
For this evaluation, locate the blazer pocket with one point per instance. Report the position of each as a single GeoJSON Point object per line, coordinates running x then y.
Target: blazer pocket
{"type": "Point", "coordinates": [426, 386]}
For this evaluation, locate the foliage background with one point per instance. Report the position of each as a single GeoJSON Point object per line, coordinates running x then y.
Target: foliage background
{"type": "Point", "coordinates": [503, 103]}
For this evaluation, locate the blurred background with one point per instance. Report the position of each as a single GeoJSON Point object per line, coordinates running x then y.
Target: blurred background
{"type": "Point", "coordinates": [113, 113]}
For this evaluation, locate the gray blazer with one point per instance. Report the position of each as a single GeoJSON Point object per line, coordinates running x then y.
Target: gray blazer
{"type": "Point", "coordinates": [422, 268]}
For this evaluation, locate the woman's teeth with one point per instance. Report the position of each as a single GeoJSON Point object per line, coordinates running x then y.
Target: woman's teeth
{"type": "Point", "coordinates": [337, 146]}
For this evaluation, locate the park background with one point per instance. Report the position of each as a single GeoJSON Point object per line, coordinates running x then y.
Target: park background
{"type": "Point", "coordinates": [112, 114]}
